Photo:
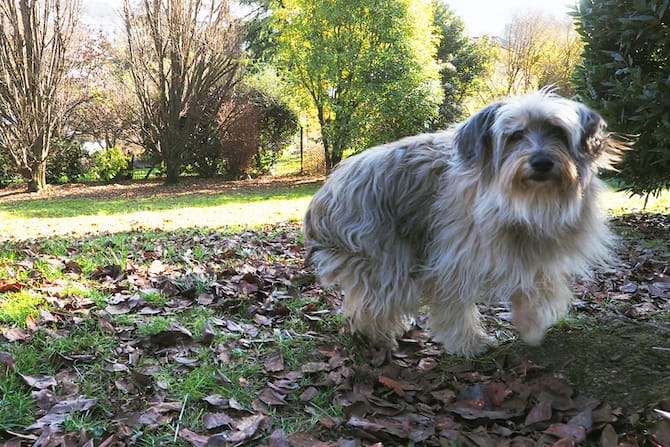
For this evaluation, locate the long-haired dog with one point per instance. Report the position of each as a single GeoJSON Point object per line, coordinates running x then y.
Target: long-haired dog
{"type": "Point", "coordinates": [502, 206]}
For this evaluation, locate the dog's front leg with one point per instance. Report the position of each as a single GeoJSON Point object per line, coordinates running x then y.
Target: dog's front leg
{"type": "Point", "coordinates": [457, 325]}
{"type": "Point", "coordinates": [534, 312]}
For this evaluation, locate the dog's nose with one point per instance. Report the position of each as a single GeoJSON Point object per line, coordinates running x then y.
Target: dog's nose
{"type": "Point", "coordinates": [541, 163]}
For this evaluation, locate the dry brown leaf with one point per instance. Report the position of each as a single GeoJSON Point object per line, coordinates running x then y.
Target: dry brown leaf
{"type": "Point", "coordinates": [540, 412]}
{"type": "Point", "coordinates": [7, 359]}
{"type": "Point", "coordinates": [215, 420]}
{"type": "Point", "coordinates": [196, 439]}
{"type": "Point", "coordinates": [575, 433]}
{"type": "Point", "coordinates": [39, 381]}
{"type": "Point", "coordinates": [394, 385]}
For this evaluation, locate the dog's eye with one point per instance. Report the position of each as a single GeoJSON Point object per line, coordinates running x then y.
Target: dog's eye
{"type": "Point", "coordinates": [516, 136]}
{"type": "Point", "coordinates": [558, 133]}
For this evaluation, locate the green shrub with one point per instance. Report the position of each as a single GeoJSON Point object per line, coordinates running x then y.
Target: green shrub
{"type": "Point", "coordinates": [252, 129]}
{"type": "Point", "coordinates": [278, 126]}
{"type": "Point", "coordinates": [625, 76]}
{"type": "Point", "coordinates": [68, 161]}
{"type": "Point", "coordinates": [109, 164]}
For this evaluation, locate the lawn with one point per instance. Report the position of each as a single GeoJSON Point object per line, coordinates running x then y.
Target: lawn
{"type": "Point", "coordinates": [131, 206]}
{"type": "Point", "coordinates": [138, 315]}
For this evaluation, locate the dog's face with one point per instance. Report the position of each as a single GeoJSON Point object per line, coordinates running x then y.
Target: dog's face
{"type": "Point", "coordinates": [536, 145]}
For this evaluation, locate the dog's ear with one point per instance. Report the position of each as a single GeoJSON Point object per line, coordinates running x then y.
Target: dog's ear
{"type": "Point", "coordinates": [605, 148]}
{"type": "Point", "coordinates": [593, 139]}
{"type": "Point", "coordinates": [474, 139]}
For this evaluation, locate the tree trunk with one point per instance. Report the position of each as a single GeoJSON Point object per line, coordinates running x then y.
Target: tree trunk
{"type": "Point", "coordinates": [327, 148]}
{"type": "Point", "coordinates": [335, 158]}
{"type": "Point", "coordinates": [173, 169]}
{"type": "Point", "coordinates": [38, 177]}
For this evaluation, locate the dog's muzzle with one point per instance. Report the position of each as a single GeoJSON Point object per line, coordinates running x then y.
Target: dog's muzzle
{"type": "Point", "coordinates": [542, 167]}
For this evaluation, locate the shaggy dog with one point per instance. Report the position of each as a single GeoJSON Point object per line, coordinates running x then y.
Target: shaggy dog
{"type": "Point", "coordinates": [501, 207]}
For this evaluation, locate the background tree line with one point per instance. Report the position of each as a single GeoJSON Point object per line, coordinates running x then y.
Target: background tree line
{"type": "Point", "coordinates": [205, 89]}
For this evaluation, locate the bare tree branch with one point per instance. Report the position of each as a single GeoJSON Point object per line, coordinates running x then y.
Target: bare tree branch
{"type": "Point", "coordinates": [34, 42]}
{"type": "Point", "coordinates": [184, 57]}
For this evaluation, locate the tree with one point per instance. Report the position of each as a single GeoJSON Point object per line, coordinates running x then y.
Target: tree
{"type": "Point", "coordinates": [625, 76]}
{"type": "Point", "coordinates": [367, 67]}
{"type": "Point", "coordinates": [463, 62]}
{"type": "Point", "coordinates": [537, 51]}
{"type": "Point", "coordinates": [34, 66]}
{"type": "Point", "coordinates": [107, 111]}
{"type": "Point", "coordinates": [184, 57]}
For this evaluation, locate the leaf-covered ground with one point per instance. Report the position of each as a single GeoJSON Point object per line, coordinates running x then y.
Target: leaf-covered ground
{"type": "Point", "coordinates": [219, 338]}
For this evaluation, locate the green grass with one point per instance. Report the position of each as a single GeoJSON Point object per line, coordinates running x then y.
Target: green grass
{"type": "Point", "coordinates": [75, 207]}
{"type": "Point", "coordinates": [16, 307]}
{"type": "Point", "coordinates": [214, 207]}
{"type": "Point", "coordinates": [621, 202]}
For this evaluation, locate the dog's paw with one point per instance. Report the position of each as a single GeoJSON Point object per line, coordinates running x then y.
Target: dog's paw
{"type": "Point", "coordinates": [531, 334]}
{"type": "Point", "coordinates": [468, 347]}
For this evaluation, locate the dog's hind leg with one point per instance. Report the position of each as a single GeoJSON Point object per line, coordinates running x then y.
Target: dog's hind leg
{"type": "Point", "coordinates": [380, 298]}
{"type": "Point", "coordinates": [457, 325]}
{"type": "Point", "coordinates": [373, 317]}
{"type": "Point", "coordinates": [534, 312]}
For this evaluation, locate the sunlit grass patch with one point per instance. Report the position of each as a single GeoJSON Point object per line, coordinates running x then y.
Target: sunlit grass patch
{"type": "Point", "coordinates": [622, 202]}
{"type": "Point", "coordinates": [16, 307]}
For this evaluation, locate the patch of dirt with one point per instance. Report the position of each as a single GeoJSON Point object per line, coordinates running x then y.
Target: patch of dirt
{"type": "Point", "coordinates": [621, 361]}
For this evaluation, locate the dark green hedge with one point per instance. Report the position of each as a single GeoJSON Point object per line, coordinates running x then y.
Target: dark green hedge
{"type": "Point", "coordinates": [626, 77]}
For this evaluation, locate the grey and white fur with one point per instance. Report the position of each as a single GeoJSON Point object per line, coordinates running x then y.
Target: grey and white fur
{"type": "Point", "coordinates": [502, 207]}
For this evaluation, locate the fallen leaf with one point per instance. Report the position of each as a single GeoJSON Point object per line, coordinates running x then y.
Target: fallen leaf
{"type": "Point", "coordinates": [208, 333]}
{"type": "Point", "coordinates": [427, 364]}
{"type": "Point", "coordinates": [196, 439]}
{"type": "Point", "coordinates": [660, 289]}
{"type": "Point", "coordinates": [365, 424]}
{"type": "Point", "coordinates": [274, 362]}
{"type": "Point", "coordinates": [216, 400]}
{"type": "Point", "coordinates": [540, 412]}
{"type": "Point", "coordinates": [39, 381]}
{"type": "Point", "coordinates": [246, 428]}
{"type": "Point", "coordinates": [71, 405]}
{"type": "Point", "coordinates": [112, 272]}
{"type": "Point", "coordinates": [312, 367]}
{"type": "Point", "coordinates": [215, 420]}
{"type": "Point", "coordinates": [309, 394]}
{"type": "Point", "coordinates": [394, 385]}
{"type": "Point", "coordinates": [7, 359]}
{"type": "Point", "coordinates": [583, 419]}
{"type": "Point", "coordinates": [278, 438]}
{"type": "Point", "coordinates": [299, 439]}
{"type": "Point", "coordinates": [495, 393]}
{"type": "Point", "coordinates": [575, 433]}
{"type": "Point", "coordinates": [57, 414]}
{"type": "Point", "coordinates": [15, 334]}
{"type": "Point", "coordinates": [10, 286]}
{"type": "Point", "coordinates": [272, 397]}
{"type": "Point", "coordinates": [608, 437]}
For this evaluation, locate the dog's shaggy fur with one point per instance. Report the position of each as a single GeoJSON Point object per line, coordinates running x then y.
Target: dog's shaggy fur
{"type": "Point", "coordinates": [503, 206]}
